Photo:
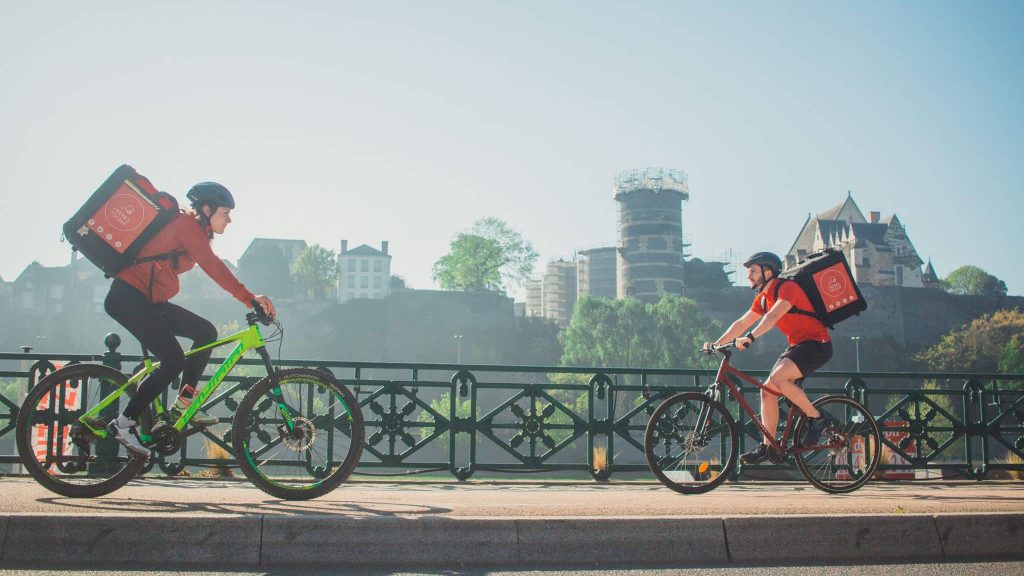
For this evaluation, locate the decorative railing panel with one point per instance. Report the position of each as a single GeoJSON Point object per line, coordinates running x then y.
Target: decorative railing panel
{"type": "Point", "coordinates": [466, 420]}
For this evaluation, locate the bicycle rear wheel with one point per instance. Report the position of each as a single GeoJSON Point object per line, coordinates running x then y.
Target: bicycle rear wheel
{"type": "Point", "coordinates": [690, 443]}
{"type": "Point", "coordinates": [57, 449]}
{"type": "Point", "coordinates": [318, 454]}
{"type": "Point", "coordinates": [848, 450]}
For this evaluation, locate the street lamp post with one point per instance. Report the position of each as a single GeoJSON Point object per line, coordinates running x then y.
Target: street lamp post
{"type": "Point", "coordinates": [856, 343]}
{"type": "Point", "coordinates": [458, 340]}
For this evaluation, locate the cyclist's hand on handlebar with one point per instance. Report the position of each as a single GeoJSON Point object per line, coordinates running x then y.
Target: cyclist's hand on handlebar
{"type": "Point", "coordinates": [743, 342]}
{"type": "Point", "coordinates": [266, 304]}
{"type": "Point", "coordinates": [707, 348]}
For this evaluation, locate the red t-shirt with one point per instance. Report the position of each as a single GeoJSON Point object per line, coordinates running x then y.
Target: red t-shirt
{"type": "Point", "coordinates": [797, 327]}
{"type": "Point", "coordinates": [182, 233]}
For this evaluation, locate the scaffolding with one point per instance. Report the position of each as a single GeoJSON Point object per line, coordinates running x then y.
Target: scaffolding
{"type": "Point", "coordinates": [656, 179]}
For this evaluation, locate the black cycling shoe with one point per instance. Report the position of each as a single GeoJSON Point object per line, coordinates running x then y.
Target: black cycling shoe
{"type": "Point", "coordinates": [812, 430]}
{"type": "Point", "coordinates": [755, 456]}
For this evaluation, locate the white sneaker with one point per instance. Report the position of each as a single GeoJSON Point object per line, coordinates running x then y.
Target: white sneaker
{"type": "Point", "coordinates": [198, 419]}
{"type": "Point", "coordinates": [128, 436]}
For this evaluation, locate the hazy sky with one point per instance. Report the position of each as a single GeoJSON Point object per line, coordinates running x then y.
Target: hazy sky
{"type": "Point", "coordinates": [407, 121]}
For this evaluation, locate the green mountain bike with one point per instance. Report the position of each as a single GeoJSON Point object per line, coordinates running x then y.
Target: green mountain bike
{"type": "Point", "coordinates": [297, 433]}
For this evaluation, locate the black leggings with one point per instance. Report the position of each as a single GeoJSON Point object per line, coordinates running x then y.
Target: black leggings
{"type": "Point", "coordinates": [155, 326]}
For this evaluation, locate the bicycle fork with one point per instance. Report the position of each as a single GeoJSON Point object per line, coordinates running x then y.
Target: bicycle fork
{"type": "Point", "coordinates": [288, 428]}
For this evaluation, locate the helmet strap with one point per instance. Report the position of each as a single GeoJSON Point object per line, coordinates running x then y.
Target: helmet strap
{"type": "Point", "coordinates": [764, 281]}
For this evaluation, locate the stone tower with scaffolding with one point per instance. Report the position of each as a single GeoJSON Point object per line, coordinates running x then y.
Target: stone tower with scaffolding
{"type": "Point", "coordinates": [650, 248]}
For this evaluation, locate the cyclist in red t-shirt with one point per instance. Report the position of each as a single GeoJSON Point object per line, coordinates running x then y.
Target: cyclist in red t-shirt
{"type": "Point", "coordinates": [809, 345]}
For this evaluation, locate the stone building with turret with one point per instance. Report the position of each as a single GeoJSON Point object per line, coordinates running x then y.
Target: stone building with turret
{"type": "Point", "coordinates": [878, 249]}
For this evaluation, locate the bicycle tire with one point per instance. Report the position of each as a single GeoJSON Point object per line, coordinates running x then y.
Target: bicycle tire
{"type": "Point", "coordinates": [258, 431]}
{"type": "Point", "coordinates": [59, 400]}
{"type": "Point", "coordinates": [851, 447]}
{"type": "Point", "coordinates": [684, 459]}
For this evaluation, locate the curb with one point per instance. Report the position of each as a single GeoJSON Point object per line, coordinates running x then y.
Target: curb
{"type": "Point", "coordinates": [271, 540]}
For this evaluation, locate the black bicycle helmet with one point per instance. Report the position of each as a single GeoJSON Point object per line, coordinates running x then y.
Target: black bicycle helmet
{"type": "Point", "coordinates": [212, 194]}
{"type": "Point", "coordinates": [765, 260]}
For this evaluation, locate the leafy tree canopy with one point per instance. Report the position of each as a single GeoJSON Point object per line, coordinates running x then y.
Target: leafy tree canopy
{"type": "Point", "coordinates": [316, 271]}
{"type": "Point", "coordinates": [990, 343]}
{"type": "Point", "coordinates": [973, 281]}
{"type": "Point", "coordinates": [701, 274]}
{"type": "Point", "coordinates": [630, 333]}
{"type": "Point", "coordinates": [490, 256]}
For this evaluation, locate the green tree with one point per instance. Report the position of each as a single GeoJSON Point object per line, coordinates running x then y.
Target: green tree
{"type": "Point", "coordinates": [980, 346]}
{"type": "Point", "coordinates": [973, 281]}
{"type": "Point", "coordinates": [1012, 359]}
{"type": "Point", "coordinates": [399, 282]}
{"type": "Point", "coordinates": [316, 271]}
{"type": "Point", "coordinates": [629, 333]}
{"type": "Point", "coordinates": [701, 274]}
{"type": "Point", "coordinates": [490, 256]}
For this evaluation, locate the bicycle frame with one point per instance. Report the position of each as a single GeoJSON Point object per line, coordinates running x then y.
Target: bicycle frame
{"type": "Point", "coordinates": [725, 369]}
{"type": "Point", "coordinates": [248, 339]}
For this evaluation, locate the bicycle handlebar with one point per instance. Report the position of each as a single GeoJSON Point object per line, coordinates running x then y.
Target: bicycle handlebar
{"type": "Point", "coordinates": [722, 349]}
{"type": "Point", "coordinates": [258, 314]}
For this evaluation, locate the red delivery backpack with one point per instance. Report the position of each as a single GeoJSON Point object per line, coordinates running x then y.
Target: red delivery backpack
{"type": "Point", "coordinates": [829, 284]}
{"type": "Point", "coordinates": [118, 219]}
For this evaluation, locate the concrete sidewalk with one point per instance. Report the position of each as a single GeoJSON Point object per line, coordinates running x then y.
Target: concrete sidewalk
{"type": "Point", "coordinates": [482, 523]}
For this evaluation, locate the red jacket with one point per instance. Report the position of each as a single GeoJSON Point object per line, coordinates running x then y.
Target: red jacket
{"type": "Point", "coordinates": [159, 280]}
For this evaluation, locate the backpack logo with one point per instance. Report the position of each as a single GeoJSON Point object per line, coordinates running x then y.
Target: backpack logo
{"type": "Point", "coordinates": [835, 287]}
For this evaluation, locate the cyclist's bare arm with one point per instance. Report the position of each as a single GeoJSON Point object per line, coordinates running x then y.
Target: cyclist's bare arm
{"type": "Point", "coordinates": [737, 328]}
{"type": "Point", "coordinates": [778, 310]}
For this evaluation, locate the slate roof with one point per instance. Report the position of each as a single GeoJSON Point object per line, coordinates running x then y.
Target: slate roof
{"type": "Point", "coordinates": [364, 250]}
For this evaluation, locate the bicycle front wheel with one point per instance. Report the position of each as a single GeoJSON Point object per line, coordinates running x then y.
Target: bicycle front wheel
{"type": "Point", "coordinates": [847, 453]}
{"type": "Point", "coordinates": [58, 449]}
{"type": "Point", "coordinates": [690, 443]}
{"type": "Point", "coordinates": [321, 449]}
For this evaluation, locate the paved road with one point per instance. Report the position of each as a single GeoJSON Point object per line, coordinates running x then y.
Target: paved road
{"type": "Point", "coordinates": [510, 523]}
{"type": "Point", "coordinates": [938, 569]}
{"type": "Point", "coordinates": [520, 500]}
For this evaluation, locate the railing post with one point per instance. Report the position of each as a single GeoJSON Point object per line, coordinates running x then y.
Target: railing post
{"type": "Point", "coordinates": [106, 449]}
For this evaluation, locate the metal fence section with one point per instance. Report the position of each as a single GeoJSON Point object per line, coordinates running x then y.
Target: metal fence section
{"type": "Point", "coordinates": [486, 420]}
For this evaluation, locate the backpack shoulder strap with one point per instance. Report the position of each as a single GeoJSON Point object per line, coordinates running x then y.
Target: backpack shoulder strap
{"type": "Point", "coordinates": [173, 256]}
{"type": "Point", "coordinates": [793, 309]}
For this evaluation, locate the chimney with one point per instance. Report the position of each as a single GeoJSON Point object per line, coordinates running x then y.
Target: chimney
{"type": "Point", "coordinates": [344, 246]}
{"type": "Point", "coordinates": [875, 217]}
{"type": "Point", "coordinates": [384, 246]}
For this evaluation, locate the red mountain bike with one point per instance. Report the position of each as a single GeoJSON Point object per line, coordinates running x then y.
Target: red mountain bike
{"type": "Point", "coordinates": [691, 441]}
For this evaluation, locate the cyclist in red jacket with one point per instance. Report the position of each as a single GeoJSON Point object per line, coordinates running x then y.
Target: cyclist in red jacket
{"type": "Point", "coordinates": [138, 300]}
{"type": "Point", "coordinates": [810, 346]}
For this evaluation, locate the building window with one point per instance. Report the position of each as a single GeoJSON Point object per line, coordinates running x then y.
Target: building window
{"type": "Point", "coordinates": [363, 282]}
{"type": "Point", "coordinates": [363, 295]}
{"type": "Point", "coordinates": [377, 265]}
{"type": "Point", "coordinates": [366, 265]}
{"type": "Point", "coordinates": [899, 275]}
{"type": "Point", "coordinates": [376, 282]}
{"type": "Point", "coordinates": [351, 283]}
{"type": "Point", "coordinates": [351, 264]}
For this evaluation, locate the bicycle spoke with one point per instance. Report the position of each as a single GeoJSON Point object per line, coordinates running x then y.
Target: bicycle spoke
{"type": "Point", "coordinates": [848, 450]}
{"type": "Point", "coordinates": [690, 443]}
{"type": "Point", "coordinates": [320, 445]}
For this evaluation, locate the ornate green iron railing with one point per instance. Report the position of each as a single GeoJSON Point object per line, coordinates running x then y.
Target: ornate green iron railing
{"type": "Point", "coordinates": [467, 420]}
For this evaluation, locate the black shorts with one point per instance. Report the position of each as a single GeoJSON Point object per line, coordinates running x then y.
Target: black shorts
{"type": "Point", "coordinates": [808, 355]}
